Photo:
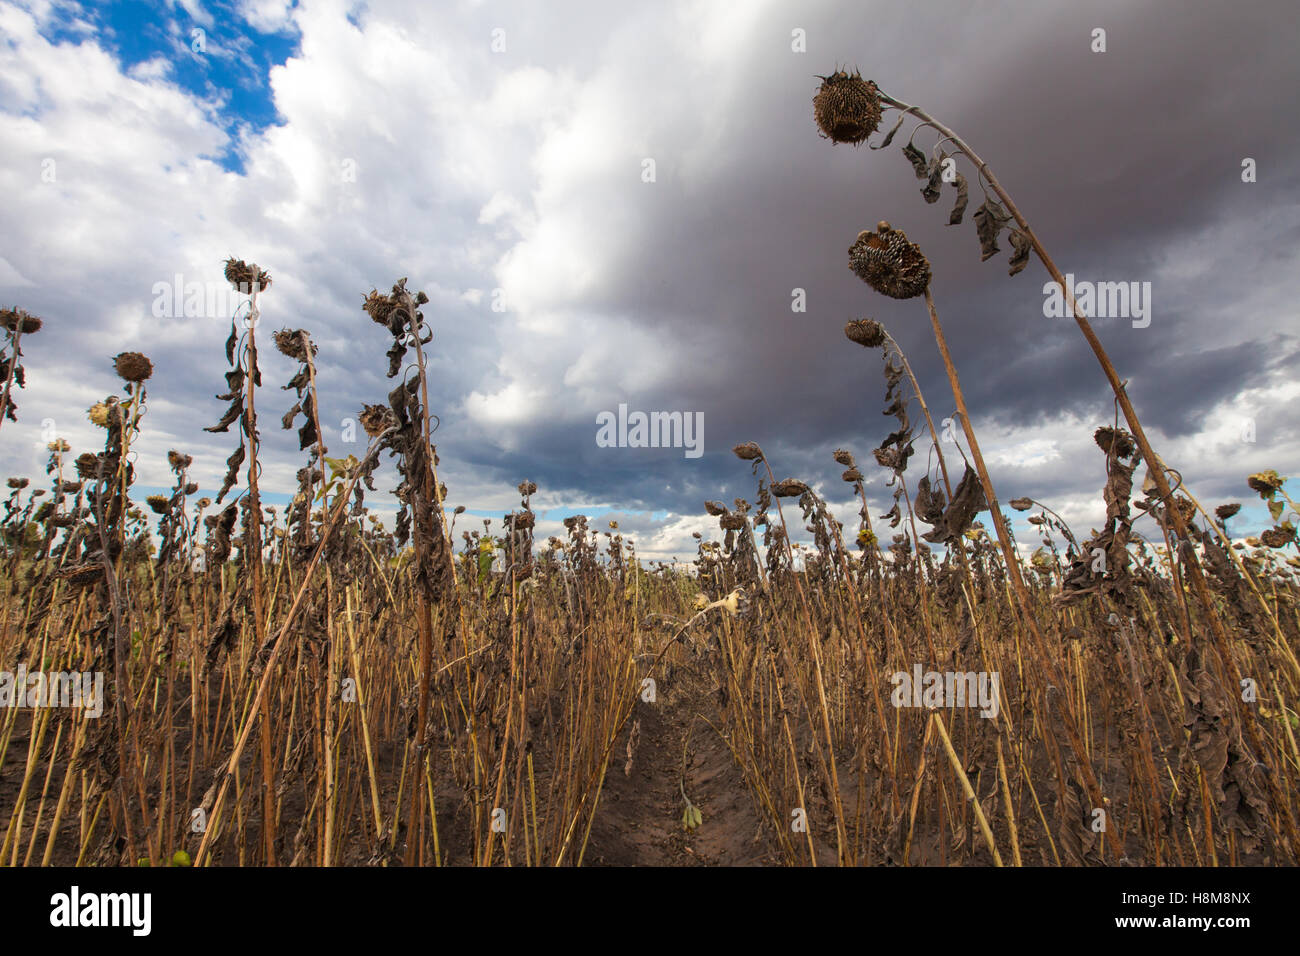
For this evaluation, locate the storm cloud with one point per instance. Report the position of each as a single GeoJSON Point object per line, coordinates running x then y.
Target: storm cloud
{"type": "Point", "coordinates": [498, 156]}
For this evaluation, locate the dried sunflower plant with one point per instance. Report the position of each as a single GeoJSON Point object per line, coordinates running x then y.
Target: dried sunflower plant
{"type": "Point", "coordinates": [402, 710]}
{"type": "Point", "coordinates": [421, 497]}
{"type": "Point", "coordinates": [501, 696]}
{"type": "Point", "coordinates": [850, 109]}
{"type": "Point", "coordinates": [242, 382]}
{"type": "Point", "coordinates": [296, 344]}
{"type": "Point", "coordinates": [17, 323]}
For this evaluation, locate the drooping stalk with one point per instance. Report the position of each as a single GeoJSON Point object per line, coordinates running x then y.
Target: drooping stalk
{"type": "Point", "coordinates": [253, 555]}
{"type": "Point", "coordinates": [1156, 467]}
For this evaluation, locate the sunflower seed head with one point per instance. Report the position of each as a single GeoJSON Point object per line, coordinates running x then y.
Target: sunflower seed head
{"type": "Point", "coordinates": [87, 465]}
{"type": "Point", "coordinates": [133, 366]}
{"type": "Point", "coordinates": [868, 333]}
{"type": "Point", "coordinates": [1265, 482]}
{"type": "Point", "coordinates": [847, 107]}
{"type": "Point", "coordinates": [246, 277]}
{"type": "Point", "coordinates": [290, 343]}
{"type": "Point", "coordinates": [889, 263]}
{"type": "Point", "coordinates": [1278, 537]}
{"type": "Point", "coordinates": [1114, 440]}
{"type": "Point", "coordinates": [377, 419]}
{"type": "Point", "coordinates": [16, 320]}
{"type": "Point", "coordinates": [790, 488]}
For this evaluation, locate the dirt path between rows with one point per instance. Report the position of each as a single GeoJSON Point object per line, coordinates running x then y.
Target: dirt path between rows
{"type": "Point", "coordinates": [639, 820]}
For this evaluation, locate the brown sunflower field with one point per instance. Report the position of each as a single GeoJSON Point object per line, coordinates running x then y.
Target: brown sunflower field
{"type": "Point", "coordinates": [309, 687]}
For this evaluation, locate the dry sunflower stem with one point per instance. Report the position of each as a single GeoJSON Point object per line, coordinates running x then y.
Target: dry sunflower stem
{"type": "Point", "coordinates": [988, 226]}
{"type": "Point", "coordinates": [17, 323]}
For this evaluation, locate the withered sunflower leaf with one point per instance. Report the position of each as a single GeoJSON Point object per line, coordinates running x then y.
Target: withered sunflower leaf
{"type": "Point", "coordinates": [963, 198]}
{"type": "Point", "coordinates": [234, 385]}
{"type": "Point", "coordinates": [930, 192]}
{"type": "Point", "coordinates": [899, 437]}
{"type": "Point", "coordinates": [224, 636]}
{"type": "Point", "coordinates": [307, 434]}
{"type": "Point", "coordinates": [893, 374]}
{"type": "Point", "coordinates": [395, 356]}
{"type": "Point", "coordinates": [929, 502]}
{"type": "Point", "coordinates": [967, 501]}
{"type": "Point", "coordinates": [230, 344]}
{"type": "Point", "coordinates": [232, 473]}
{"type": "Point", "coordinates": [397, 402]}
{"type": "Point", "coordinates": [299, 381]}
{"type": "Point", "coordinates": [286, 422]}
{"type": "Point", "coordinates": [889, 137]}
{"type": "Point", "coordinates": [231, 414]}
{"type": "Point", "coordinates": [1020, 249]}
{"type": "Point", "coordinates": [989, 220]}
{"type": "Point", "coordinates": [917, 159]}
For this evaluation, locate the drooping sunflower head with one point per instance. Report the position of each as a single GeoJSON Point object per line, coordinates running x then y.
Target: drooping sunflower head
{"type": "Point", "coordinates": [888, 262]}
{"type": "Point", "coordinates": [17, 320]}
{"type": "Point", "coordinates": [868, 333]}
{"type": "Point", "coordinates": [377, 419]}
{"type": "Point", "coordinates": [246, 277]}
{"type": "Point", "coordinates": [133, 366]}
{"type": "Point", "coordinates": [847, 107]}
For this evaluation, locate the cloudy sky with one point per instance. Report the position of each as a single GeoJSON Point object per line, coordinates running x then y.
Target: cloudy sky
{"type": "Point", "coordinates": [499, 155]}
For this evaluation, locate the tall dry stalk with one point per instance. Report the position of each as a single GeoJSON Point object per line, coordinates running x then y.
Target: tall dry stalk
{"type": "Point", "coordinates": [16, 323]}
{"type": "Point", "coordinates": [849, 109]}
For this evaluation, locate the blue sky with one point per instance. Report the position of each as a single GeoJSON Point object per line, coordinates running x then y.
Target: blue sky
{"type": "Point", "coordinates": [210, 49]}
